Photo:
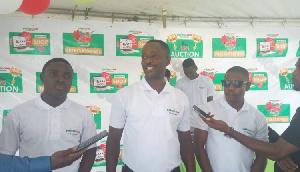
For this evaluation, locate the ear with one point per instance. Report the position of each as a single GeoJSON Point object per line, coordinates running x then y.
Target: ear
{"type": "Point", "coordinates": [42, 77]}
{"type": "Point", "coordinates": [248, 86]}
{"type": "Point", "coordinates": [168, 60]}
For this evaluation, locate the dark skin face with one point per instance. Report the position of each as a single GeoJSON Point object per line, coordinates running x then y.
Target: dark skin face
{"type": "Point", "coordinates": [296, 76]}
{"type": "Point", "coordinates": [191, 72]}
{"type": "Point", "coordinates": [154, 62]}
{"type": "Point", "coordinates": [235, 96]}
{"type": "Point", "coordinates": [57, 79]}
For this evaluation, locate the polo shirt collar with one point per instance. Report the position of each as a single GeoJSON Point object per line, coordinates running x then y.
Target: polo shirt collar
{"type": "Point", "coordinates": [147, 87]}
{"type": "Point", "coordinates": [44, 106]}
{"type": "Point", "coordinates": [225, 104]}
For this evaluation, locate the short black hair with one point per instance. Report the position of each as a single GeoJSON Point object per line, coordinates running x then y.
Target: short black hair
{"type": "Point", "coordinates": [167, 73]}
{"type": "Point", "coordinates": [239, 69]}
{"type": "Point", "coordinates": [163, 45]}
{"type": "Point", "coordinates": [188, 62]}
{"type": "Point", "coordinates": [56, 60]}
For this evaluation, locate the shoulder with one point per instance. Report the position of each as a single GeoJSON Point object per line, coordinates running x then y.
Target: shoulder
{"type": "Point", "coordinates": [76, 107]}
{"type": "Point", "coordinates": [23, 106]}
{"type": "Point", "coordinates": [204, 78]}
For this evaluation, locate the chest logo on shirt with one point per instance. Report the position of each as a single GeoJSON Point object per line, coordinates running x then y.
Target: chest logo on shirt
{"type": "Point", "coordinates": [72, 132]}
{"type": "Point", "coordinates": [246, 130]}
{"type": "Point", "coordinates": [173, 112]}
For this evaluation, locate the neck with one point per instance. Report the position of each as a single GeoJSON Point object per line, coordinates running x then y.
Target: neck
{"type": "Point", "coordinates": [196, 76]}
{"type": "Point", "coordinates": [157, 84]}
{"type": "Point", "coordinates": [53, 101]}
{"type": "Point", "coordinates": [236, 105]}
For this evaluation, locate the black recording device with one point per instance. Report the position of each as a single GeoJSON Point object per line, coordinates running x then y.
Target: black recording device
{"type": "Point", "coordinates": [91, 140]}
{"type": "Point", "coordinates": [200, 112]}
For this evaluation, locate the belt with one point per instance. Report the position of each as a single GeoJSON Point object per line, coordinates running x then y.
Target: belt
{"type": "Point", "coordinates": [125, 168]}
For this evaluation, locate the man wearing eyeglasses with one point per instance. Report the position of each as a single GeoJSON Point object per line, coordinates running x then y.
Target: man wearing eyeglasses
{"type": "Point", "coordinates": [217, 153]}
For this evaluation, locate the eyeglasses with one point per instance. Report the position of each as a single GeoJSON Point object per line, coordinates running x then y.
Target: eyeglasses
{"type": "Point", "coordinates": [236, 84]}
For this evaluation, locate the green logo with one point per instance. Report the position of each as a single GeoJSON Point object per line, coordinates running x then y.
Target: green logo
{"type": "Point", "coordinates": [185, 45]}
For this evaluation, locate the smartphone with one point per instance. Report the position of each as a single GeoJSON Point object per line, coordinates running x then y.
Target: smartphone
{"type": "Point", "coordinates": [91, 140]}
{"type": "Point", "coordinates": [200, 112]}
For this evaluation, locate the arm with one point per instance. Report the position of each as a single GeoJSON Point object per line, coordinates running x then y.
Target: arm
{"type": "Point", "coordinates": [186, 150]}
{"type": "Point", "coordinates": [87, 160]}
{"type": "Point", "coordinates": [113, 148]}
{"type": "Point", "coordinates": [259, 163]}
{"type": "Point", "coordinates": [201, 154]}
{"type": "Point", "coordinates": [210, 98]}
{"type": "Point", "coordinates": [274, 151]}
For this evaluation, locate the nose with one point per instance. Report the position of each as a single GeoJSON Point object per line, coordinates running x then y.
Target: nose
{"type": "Point", "coordinates": [231, 86]}
{"type": "Point", "coordinates": [60, 78]}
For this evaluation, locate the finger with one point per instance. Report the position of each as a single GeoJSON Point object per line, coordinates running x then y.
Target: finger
{"type": "Point", "coordinates": [290, 164]}
{"type": "Point", "coordinates": [281, 165]}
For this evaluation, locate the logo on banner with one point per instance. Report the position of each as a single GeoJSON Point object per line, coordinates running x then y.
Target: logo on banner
{"type": "Point", "coordinates": [5, 112]}
{"type": "Point", "coordinates": [11, 80]}
{"type": "Point", "coordinates": [131, 45]}
{"type": "Point", "coordinates": [229, 46]}
{"type": "Point", "coordinates": [185, 45]}
{"type": "Point", "coordinates": [40, 85]}
{"type": "Point", "coordinates": [275, 111]}
{"type": "Point", "coordinates": [259, 80]}
{"type": "Point", "coordinates": [27, 42]}
{"type": "Point", "coordinates": [95, 110]}
{"type": "Point", "coordinates": [216, 78]}
{"type": "Point", "coordinates": [107, 81]}
{"type": "Point", "coordinates": [285, 79]}
{"type": "Point", "coordinates": [100, 159]}
{"type": "Point", "coordinates": [83, 42]}
{"type": "Point", "coordinates": [271, 47]}
{"type": "Point", "coordinates": [173, 77]}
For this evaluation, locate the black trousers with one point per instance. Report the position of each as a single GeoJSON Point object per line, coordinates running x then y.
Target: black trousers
{"type": "Point", "coordinates": [125, 168]}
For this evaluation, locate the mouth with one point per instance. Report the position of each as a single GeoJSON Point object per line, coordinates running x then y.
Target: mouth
{"type": "Point", "coordinates": [60, 87]}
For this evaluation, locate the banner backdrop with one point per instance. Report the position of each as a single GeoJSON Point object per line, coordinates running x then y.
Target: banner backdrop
{"type": "Point", "coordinates": [106, 58]}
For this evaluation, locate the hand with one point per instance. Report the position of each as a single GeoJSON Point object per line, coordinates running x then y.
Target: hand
{"type": "Point", "coordinates": [64, 158]}
{"type": "Point", "coordinates": [215, 124]}
{"type": "Point", "coordinates": [287, 164]}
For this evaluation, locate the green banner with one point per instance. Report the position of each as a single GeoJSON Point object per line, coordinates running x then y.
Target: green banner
{"type": "Point", "coordinates": [107, 82]}
{"type": "Point", "coordinates": [271, 47]}
{"type": "Point", "coordinates": [217, 81]}
{"type": "Point", "coordinates": [40, 85]}
{"type": "Point", "coordinates": [83, 42]}
{"type": "Point", "coordinates": [95, 110]}
{"type": "Point", "coordinates": [100, 159]}
{"type": "Point", "coordinates": [285, 79]}
{"type": "Point", "coordinates": [5, 111]}
{"type": "Point", "coordinates": [275, 112]}
{"type": "Point", "coordinates": [259, 80]}
{"type": "Point", "coordinates": [11, 80]}
{"type": "Point", "coordinates": [29, 43]}
{"type": "Point", "coordinates": [185, 45]}
{"type": "Point", "coordinates": [131, 45]}
{"type": "Point", "coordinates": [229, 47]}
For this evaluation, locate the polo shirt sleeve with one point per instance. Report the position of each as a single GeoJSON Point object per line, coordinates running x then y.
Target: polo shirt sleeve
{"type": "Point", "coordinates": [184, 124]}
{"type": "Point", "coordinates": [197, 122]}
{"type": "Point", "coordinates": [210, 88]}
{"type": "Point", "coordinates": [9, 136]}
{"type": "Point", "coordinates": [118, 115]}
{"type": "Point", "coordinates": [262, 128]}
{"type": "Point", "coordinates": [89, 128]}
{"type": "Point", "coordinates": [291, 134]}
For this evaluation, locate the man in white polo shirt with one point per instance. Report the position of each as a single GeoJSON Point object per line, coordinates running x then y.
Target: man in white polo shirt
{"type": "Point", "coordinates": [198, 88]}
{"type": "Point", "coordinates": [50, 122]}
{"type": "Point", "coordinates": [218, 153]}
{"type": "Point", "coordinates": [155, 117]}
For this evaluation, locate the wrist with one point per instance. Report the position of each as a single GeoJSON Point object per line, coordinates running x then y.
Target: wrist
{"type": "Point", "coordinates": [229, 132]}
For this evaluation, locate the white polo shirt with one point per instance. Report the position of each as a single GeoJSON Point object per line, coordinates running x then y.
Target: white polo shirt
{"type": "Point", "coordinates": [197, 90]}
{"type": "Point", "coordinates": [150, 121]}
{"type": "Point", "coordinates": [38, 129]}
{"type": "Point", "coordinates": [228, 154]}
